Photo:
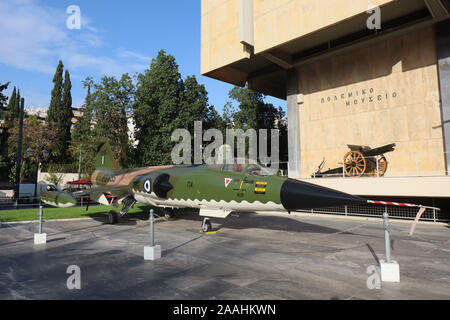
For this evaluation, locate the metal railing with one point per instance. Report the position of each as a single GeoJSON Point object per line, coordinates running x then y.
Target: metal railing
{"type": "Point", "coordinates": [376, 211]}
{"type": "Point", "coordinates": [405, 165]}
{"type": "Point", "coordinates": [8, 203]}
{"type": "Point", "coordinates": [368, 210]}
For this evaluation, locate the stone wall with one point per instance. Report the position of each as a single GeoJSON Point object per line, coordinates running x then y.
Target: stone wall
{"type": "Point", "coordinates": [381, 94]}
{"type": "Point", "coordinates": [280, 21]}
{"type": "Point", "coordinates": [220, 43]}
{"type": "Point", "coordinates": [66, 177]}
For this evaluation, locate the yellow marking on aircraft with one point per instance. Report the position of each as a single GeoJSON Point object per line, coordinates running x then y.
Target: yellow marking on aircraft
{"type": "Point", "coordinates": [262, 183]}
{"type": "Point", "coordinates": [260, 189]}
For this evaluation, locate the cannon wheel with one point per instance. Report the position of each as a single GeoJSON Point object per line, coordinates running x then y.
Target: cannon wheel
{"type": "Point", "coordinates": [382, 167]}
{"type": "Point", "coordinates": [354, 164]}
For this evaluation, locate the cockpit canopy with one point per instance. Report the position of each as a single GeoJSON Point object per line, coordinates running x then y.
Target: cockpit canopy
{"type": "Point", "coordinates": [244, 166]}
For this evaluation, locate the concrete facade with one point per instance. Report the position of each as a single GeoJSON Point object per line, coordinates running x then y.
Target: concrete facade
{"type": "Point", "coordinates": [281, 21]}
{"type": "Point", "coordinates": [220, 34]}
{"type": "Point", "coordinates": [443, 52]}
{"type": "Point", "coordinates": [384, 93]}
{"type": "Point", "coordinates": [293, 113]}
{"type": "Point", "coordinates": [344, 83]}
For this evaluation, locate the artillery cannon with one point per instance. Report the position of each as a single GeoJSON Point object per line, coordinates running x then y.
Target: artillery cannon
{"type": "Point", "coordinates": [361, 160]}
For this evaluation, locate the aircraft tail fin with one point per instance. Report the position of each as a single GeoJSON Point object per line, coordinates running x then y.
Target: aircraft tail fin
{"type": "Point", "coordinates": [105, 157]}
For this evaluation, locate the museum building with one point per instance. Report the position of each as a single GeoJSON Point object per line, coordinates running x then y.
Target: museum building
{"type": "Point", "coordinates": [368, 74]}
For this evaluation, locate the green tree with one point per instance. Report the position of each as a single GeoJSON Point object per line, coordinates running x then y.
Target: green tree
{"type": "Point", "coordinates": [37, 135]}
{"type": "Point", "coordinates": [106, 115]}
{"type": "Point", "coordinates": [195, 106]}
{"type": "Point", "coordinates": [12, 105]}
{"type": "Point", "coordinates": [82, 136]}
{"type": "Point", "coordinates": [3, 98]}
{"type": "Point", "coordinates": [5, 116]}
{"type": "Point", "coordinates": [249, 104]}
{"type": "Point", "coordinates": [60, 112]}
{"type": "Point", "coordinates": [16, 109]}
{"type": "Point", "coordinates": [253, 113]}
{"type": "Point", "coordinates": [164, 103]}
{"type": "Point", "coordinates": [64, 119]}
{"type": "Point", "coordinates": [56, 95]}
{"type": "Point", "coordinates": [157, 110]}
{"type": "Point", "coordinates": [82, 129]}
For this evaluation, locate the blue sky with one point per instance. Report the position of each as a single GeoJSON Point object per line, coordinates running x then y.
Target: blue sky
{"type": "Point", "coordinates": [116, 37]}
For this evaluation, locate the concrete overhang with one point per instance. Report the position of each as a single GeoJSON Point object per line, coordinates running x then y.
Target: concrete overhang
{"type": "Point", "coordinates": [266, 71]}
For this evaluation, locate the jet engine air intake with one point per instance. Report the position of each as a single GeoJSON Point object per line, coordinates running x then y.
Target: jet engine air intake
{"type": "Point", "coordinates": [161, 185]}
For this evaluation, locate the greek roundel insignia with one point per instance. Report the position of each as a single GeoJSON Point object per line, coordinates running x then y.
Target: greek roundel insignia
{"type": "Point", "coordinates": [227, 181]}
{"type": "Point", "coordinates": [148, 186]}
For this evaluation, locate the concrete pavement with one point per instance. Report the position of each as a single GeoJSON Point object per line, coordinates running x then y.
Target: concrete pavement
{"type": "Point", "coordinates": [250, 257]}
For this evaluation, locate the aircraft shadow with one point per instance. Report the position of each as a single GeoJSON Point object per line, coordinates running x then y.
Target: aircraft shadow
{"type": "Point", "coordinates": [243, 221]}
{"type": "Point", "coordinates": [129, 219]}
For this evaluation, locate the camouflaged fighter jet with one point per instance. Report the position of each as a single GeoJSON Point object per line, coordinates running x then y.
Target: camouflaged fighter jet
{"type": "Point", "coordinates": [217, 190]}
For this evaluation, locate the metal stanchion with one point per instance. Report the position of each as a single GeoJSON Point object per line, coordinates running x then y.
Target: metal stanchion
{"type": "Point", "coordinates": [152, 252]}
{"type": "Point", "coordinates": [390, 270]}
{"type": "Point", "coordinates": [41, 213]}
{"type": "Point", "coordinates": [387, 237]}
{"type": "Point", "coordinates": [40, 238]}
{"type": "Point", "coordinates": [152, 229]}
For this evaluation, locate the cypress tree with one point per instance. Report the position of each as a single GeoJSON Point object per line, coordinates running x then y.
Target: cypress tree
{"type": "Point", "coordinates": [66, 114]}
{"type": "Point", "coordinates": [11, 108]}
{"type": "Point", "coordinates": [55, 107]}
{"type": "Point", "coordinates": [82, 129]}
{"type": "Point", "coordinates": [12, 100]}
{"type": "Point", "coordinates": [16, 109]}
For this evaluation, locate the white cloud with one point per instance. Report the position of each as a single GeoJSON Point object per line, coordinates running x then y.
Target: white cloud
{"type": "Point", "coordinates": [129, 54]}
{"type": "Point", "coordinates": [34, 37]}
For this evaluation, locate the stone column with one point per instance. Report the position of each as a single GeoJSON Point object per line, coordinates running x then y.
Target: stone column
{"type": "Point", "coordinates": [293, 117]}
{"type": "Point", "coordinates": [443, 52]}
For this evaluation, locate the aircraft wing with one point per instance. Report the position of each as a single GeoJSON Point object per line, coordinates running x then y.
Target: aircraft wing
{"type": "Point", "coordinates": [98, 194]}
{"type": "Point", "coordinates": [65, 199]}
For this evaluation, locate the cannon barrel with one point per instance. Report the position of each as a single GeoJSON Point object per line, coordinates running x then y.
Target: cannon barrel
{"type": "Point", "coordinates": [369, 152]}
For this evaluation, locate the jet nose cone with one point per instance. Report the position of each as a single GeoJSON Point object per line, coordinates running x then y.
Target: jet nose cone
{"type": "Point", "coordinates": [58, 199]}
{"type": "Point", "coordinates": [67, 200]}
{"type": "Point", "coordinates": [302, 195]}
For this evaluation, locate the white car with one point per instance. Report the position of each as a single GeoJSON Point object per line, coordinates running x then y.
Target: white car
{"type": "Point", "coordinates": [26, 191]}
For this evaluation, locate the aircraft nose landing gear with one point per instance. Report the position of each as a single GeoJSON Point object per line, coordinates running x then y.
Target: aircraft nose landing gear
{"type": "Point", "coordinates": [206, 225]}
{"type": "Point", "coordinates": [113, 217]}
{"type": "Point", "coordinates": [168, 213]}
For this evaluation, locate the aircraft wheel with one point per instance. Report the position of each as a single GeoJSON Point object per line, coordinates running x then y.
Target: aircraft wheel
{"type": "Point", "coordinates": [113, 217]}
{"type": "Point", "coordinates": [168, 213]}
{"type": "Point", "coordinates": [206, 226]}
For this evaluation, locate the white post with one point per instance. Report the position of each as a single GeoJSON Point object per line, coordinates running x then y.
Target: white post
{"type": "Point", "coordinates": [387, 237]}
{"type": "Point", "coordinates": [152, 252]}
{"type": "Point", "coordinates": [152, 230]}
{"type": "Point", "coordinates": [40, 238]}
{"type": "Point", "coordinates": [389, 270]}
{"type": "Point", "coordinates": [40, 218]}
